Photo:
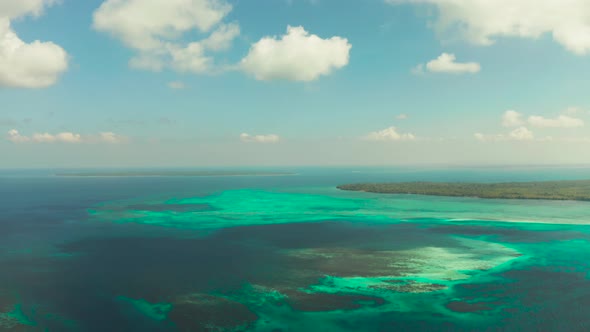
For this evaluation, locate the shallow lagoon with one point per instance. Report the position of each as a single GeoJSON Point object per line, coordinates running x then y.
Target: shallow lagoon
{"type": "Point", "coordinates": [288, 254]}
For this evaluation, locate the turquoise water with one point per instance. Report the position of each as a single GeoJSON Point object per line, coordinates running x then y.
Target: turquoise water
{"type": "Point", "coordinates": [289, 254]}
{"type": "Point", "coordinates": [258, 207]}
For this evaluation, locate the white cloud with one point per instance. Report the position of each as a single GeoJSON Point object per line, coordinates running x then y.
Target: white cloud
{"type": "Point", "coordinates": [389, 134]}
{"type": "Point", "coordinates": [155, 29]}
{"type": "Point", "coordinates": [512, 119]}
{"type": "Point", "coordinates": [64, 137]}
{"type": "Point", "coordinates": [15, 137]}
{"type": "Point", "coordinates": [147, 25]}
{"type": "Point", "coordinates": [402, 116]}
{"type": "Point", "coordinates": [177, 85]}
{"type": "Point", "coordinates": [518, 134]}
{"type": "Point", "coordinates": [14, 9]}
{"type": "Point", "coordinates": [271, 138]}
{"type": "Point", "coordinates": [296, 56]}
{"type": "Point", "coordinates": [515, 119]}
{"type": "Point", "coordinates": [446, 63]}
{"type": "Point", "coordinates": [562, 121]}
{"type": "Point", "coordinates": [521, 134]}
{"type": "Point", "coordinates": [27, 65]}
{"type": "Point", "coordinates": [221, 39]}
{"type": "Point", "coordinates": [482, 21]}
{"type": "Point", "coordinates": [110, 137]}
{"type": "Point", "coordinates": [526, 135]}
{"type": "Point", "coordinates": [191, 58]}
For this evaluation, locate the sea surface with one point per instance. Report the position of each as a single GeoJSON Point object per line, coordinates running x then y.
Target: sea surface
{"type": "Point", "coordinates": [289, 253]}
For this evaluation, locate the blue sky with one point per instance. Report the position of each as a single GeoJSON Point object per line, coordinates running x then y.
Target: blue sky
{"type": "Point", "coordinates": [352, 83]}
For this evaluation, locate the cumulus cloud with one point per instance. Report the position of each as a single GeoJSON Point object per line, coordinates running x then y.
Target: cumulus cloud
{"type": "Point", "coordinates": [15, 137]}
{"type": "Point", "coordinates": [296, 56]}
{"type": "Point", "coordinates": [518, 134]}
{"type": "Point", "coordinates": [521, 134]}
{"type": "Point", "coordinates": [191, 58]}
{"type": "Point", "coordinates": [271, 138]}
{"type": "Point", "coordinates": [512, 119]}
{"type": "Point", "coordinates": [148, 25]}
{"type": "Point", "coordinates": [155, 29]}
{"type": "Point", "coordinates": [389, 134]}
{"type": "Point", "coordinates": [446, 63]}
{"type": "Point", "coordinates": [482, 21]}
{"type": "Point", "coordinates": [64, 137]}
{"type": "Point", "coordinates": [27, 65]}
{"type": "Point", "coordinates": [562, 121]}
{"type": "Point", "coordinates": [14, 9]}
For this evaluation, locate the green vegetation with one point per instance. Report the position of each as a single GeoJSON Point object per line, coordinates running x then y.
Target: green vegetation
{"type": "Point", "coordinates": [551, 190]}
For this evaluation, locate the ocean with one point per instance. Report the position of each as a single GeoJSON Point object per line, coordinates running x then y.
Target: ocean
{"type": "Point", "coordinates": [289, 252]}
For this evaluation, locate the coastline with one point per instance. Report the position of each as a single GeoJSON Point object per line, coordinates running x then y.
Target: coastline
{"type": "Point", "coordinates": [568, 190]}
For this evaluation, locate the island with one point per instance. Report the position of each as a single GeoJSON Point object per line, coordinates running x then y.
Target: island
{"type": "Point", "coordinates": [574, 190]}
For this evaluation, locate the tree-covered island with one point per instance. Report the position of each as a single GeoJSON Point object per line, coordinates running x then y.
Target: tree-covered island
{"type": "Point", "coordinates": [578, 190]}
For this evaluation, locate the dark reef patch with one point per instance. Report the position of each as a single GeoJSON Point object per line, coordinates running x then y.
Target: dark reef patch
{"type": "Point", "coordinates": [547, 233]}
{"type": "Point", "coordinates": [200, 312]}
{"type": "Point", "coordinates": [522, 296]}
{"type": "Point", "coordinates": [167, 266]}
{"type": "Point", "coordinates": [314, 302]}
{"type": "Point", "coordinates": [463, 306]}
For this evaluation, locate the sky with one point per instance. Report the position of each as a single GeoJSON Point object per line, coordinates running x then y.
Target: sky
{"type": "Point", "coordinates": [181, 83]}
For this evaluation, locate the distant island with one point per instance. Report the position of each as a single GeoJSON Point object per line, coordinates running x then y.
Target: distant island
{"type": "Point", "coordinates": [147, 173]}
{"type": "Point", "coordinates": [578, 190]}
